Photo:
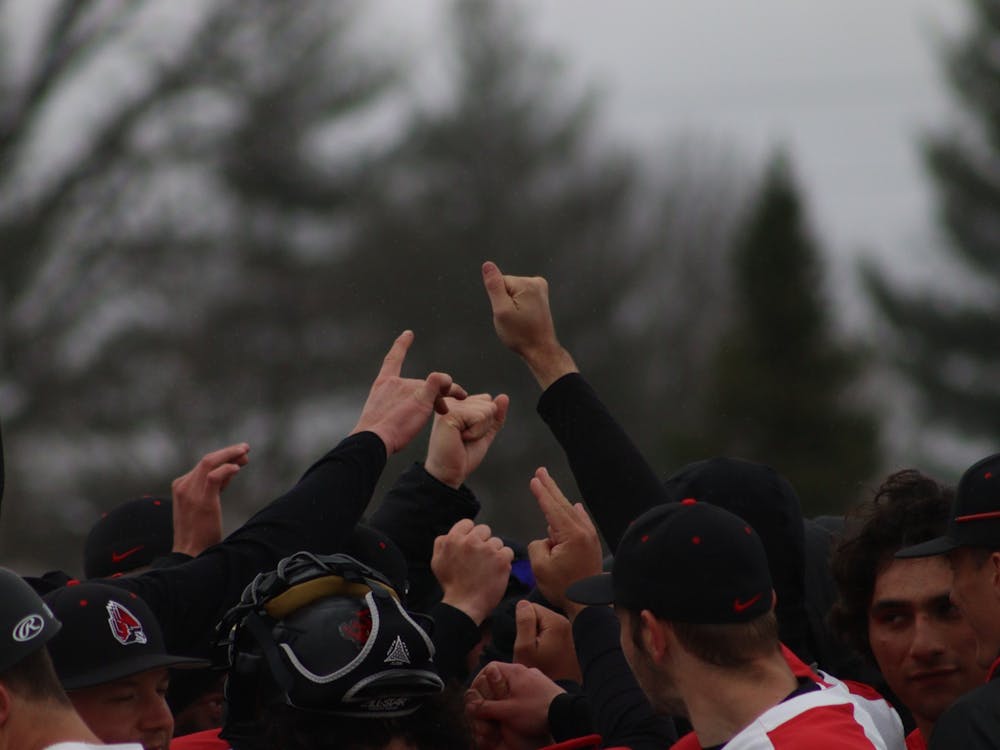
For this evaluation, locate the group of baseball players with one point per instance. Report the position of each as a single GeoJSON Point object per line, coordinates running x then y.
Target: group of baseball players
{"type": "Point", "coordinates": [723, 619]}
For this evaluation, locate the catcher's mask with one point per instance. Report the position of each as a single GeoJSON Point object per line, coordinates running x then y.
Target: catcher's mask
{"type": "Point", "coordinates": [324, 634]}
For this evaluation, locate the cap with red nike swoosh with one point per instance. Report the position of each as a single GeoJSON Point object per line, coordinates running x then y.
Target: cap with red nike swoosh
{"type": "Point", "coordinates": [129, 537]}
{"type": "Point", "coordinates": [687, 562]}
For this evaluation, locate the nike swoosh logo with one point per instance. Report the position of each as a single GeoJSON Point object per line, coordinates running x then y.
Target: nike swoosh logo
{"type": "Point", "coordinates": [117, 557]}
{"type": "Point", "coordinates": [739, 606]}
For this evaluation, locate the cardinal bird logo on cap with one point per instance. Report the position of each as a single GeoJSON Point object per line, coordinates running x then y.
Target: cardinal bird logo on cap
{"type": "Point", "coordinates": [125, 626]}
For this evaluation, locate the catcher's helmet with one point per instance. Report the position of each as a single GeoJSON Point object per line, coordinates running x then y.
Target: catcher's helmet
{"type": "Point", "coordinates": [323, 634]}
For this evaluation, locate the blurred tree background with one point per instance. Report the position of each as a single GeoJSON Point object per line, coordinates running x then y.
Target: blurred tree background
{"type": "Point", "coordinates": [783, 387]}
{"type": "Point", "coordinates": [942, 337]}
{"type": "Point", "coordinates": [213, 235]}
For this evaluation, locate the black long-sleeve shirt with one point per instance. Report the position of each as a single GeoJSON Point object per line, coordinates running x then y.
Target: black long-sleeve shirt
{"type": "Point", "coordinates": [593, 440]}
{"type": "Point", "coordinates": [317, 514]}
{"type": "Point", "coordinates": [417, 510]}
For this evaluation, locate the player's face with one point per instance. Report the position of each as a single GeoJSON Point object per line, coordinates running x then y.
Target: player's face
{"type": "Point", "coordinates": [654, 680]}
{"type": "Point", "coordinates": [974, 591]}
{"type": "Point", "coordinates": [132, 709]}
{"type": "Point", "coordinates": [204, 712]}
{"type": "Point", "coordinates": [923, 645]}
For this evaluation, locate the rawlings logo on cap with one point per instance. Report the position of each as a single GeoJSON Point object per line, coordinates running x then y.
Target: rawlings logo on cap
{"type": "Point", "coordinates": [125, 626]}
{"type": "Point", "coordinates": [28, 628]}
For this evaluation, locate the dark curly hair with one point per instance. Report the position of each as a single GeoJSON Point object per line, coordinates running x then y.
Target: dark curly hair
{"type": "Point", "coordinates": [908, 508]}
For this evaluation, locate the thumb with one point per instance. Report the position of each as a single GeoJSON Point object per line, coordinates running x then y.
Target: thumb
{"type": "Point", "coordinates": [496, 289]}
{"type": "Point", "coordinates": [539, 553]}
{"type": "Point", "coordinates": [527, 632]}
{"type": "Point", "coordinates": [436, 386]}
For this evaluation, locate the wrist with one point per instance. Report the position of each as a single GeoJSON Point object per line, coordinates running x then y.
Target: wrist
{"type": "Point", "coordinates": [572, 609]}
{"type": "Point", "coordinates": [443, 474]}
{"type": "Point", "coordinates": [388, 440]}
{"type": "Point", "coordinates": [472, 608]}
{"type": "Point", "coordinates": [186, 548]}
{"type": "Point", "coordinates": [549, 363]}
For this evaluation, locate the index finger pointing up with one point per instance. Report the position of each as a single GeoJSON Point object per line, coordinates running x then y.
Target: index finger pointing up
{"type": "Point", "coordinates": [556, 508]}
{"type": "Point", "coordinates": [392, 365]}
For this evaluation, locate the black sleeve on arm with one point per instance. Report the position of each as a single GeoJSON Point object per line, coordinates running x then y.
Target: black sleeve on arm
{"type": "Point", "coordinates": [569, 714]}
{"type": "Point", "coordinates": [317, 514]}
{"type": "Point", "coordinates": [171, 559]}
{"type": "Point", "coordinates": [615, 480]}
{"type": "Point", "coordinates": [417, 510]}
{"type": "Point", "coordinates": [621, 712]}
{"type": "Point", "coordinates": [455, 636]}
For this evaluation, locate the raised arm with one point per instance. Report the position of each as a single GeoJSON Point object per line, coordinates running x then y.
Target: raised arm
{"type": "Point", "coordinates": [317, 514]}
{"type": "Point", "coordinates": [615, 480]}
{"type": "Point", "coordinates": [197, 499]}
{"type": "Point", "coordinates": [398, 408]}
{"type": "Point", "coordinates": [620, 711]}
{"type": "Point", "coordinates": [572, 549]}
{"type": "Point", "coordinates": [523, 321]}
{"type": "Point", "coordinates": [428, 499]}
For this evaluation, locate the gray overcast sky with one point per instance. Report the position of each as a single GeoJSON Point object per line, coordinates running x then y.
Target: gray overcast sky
{"type": "Point", "coordinates": [847, 85]}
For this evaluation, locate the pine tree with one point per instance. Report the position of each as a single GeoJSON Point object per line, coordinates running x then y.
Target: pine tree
{"type": "Point", "coordinates": [237, 252]}
{"type": "Point", "coordinates": [162, 283]}
{"type": "Point", "coordinates": [507, 166]}
{"type": "Point", "coordinates": [944, 338]}
{"type": "Point", "coordinates": [783, 388]}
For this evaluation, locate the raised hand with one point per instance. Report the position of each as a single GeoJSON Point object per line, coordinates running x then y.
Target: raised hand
{"type": "Point", "coordinates": [473, 568]}
{"type": "Point", "coordinates": [197, 498]}
{"type": "Point", "coordinates": [460, 439]}
{"type": "Point", "coordinates": [397, 408]}
{"type": "Point", "coordinates": [523, 321]}
{"type": "Point", "coordinates": [572, 550]}
{"type": "Point", "coordinates": [545, 641]}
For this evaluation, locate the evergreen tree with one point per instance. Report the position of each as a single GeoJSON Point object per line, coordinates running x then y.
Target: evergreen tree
{"type": "Point", "coordinates": [944, 337]}
{"type": "Point", "coordinates": [507, 166]}
{"type": "Point", "coordinates": [233, 248]}
{"type": "Point", "coordinates": [162, 283]}
{"type": "Point", "coordinates": [783, 388]}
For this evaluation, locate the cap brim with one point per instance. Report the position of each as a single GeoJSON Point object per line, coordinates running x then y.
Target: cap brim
{"type": "Point", "coordinates": [939, 546]}
{"type": "Point", "coordinates": [594, 590]}
{"type": "Point", "coordinates": [122, 669]}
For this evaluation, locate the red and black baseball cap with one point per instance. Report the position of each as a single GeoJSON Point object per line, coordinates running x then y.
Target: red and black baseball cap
{"type": "Point", "coordinates": [26, 622]}
{"type": "Point", "coordinates": [687, 562]}
{"type": "Point", "coordinates": [129, 536]}
{"type": "Point", "coordinates": [108, 633]}
{"type": "Point", "coordinates": [375, 549]}
{"type": "Point", "coordinates": [975, 515]}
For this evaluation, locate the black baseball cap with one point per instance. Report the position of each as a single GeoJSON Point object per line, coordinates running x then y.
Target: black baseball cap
{"type": "Point", "coordinates": [26, 623]}
{"type": "Point", "coordinates": [129, 536]}
{"type": "Point", "coordinates": [975, 514]}
{"type": "Point", "coordinates": [376, 550]}
{"type": "Point", "coordinates": [108, 633]}
{"type": "Point", "coordinates": [687, 562]}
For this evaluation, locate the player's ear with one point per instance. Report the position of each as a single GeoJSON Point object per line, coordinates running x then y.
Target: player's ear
{"type": "Point", "coordinates": [655, 636]}
{"type": "Point", "coordinates": [5, 701]}
{"type": "Point", "coordinates": [994, 563]}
